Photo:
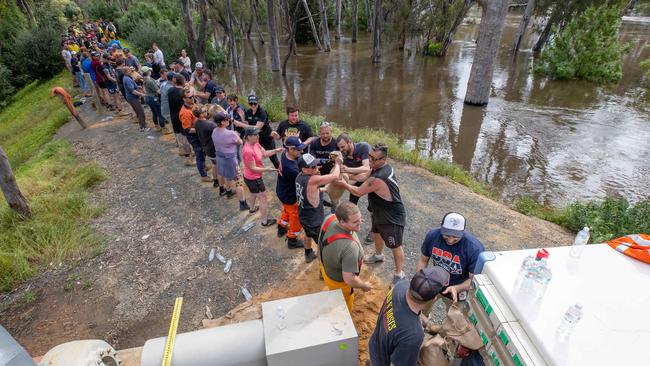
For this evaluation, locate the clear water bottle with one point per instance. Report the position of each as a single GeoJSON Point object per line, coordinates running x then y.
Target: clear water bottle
{"type": "Point", "coordinates": [535, 274]}
{"type": "Point", "coordinates": [579, 243]}
{"type": "Point", "coordinates": [569, 321]}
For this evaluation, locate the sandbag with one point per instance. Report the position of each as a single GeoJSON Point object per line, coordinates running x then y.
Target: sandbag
{"type": "Point", "coordinates": [431, 351]}
{"type": "Point", "coordinates": [457, 327]}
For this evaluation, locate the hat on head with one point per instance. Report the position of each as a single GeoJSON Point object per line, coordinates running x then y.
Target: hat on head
{"type": "Point", "coordinates": [453, 224]}
{"type": "Point", "coordinates": [220, 117]}
{"type": "Point", "coordinates": [126, 50]}
{"type": "Point", "coordinates": [220, 89]}
{"type": "Point", "coordinates": [145, 69]}
{"type": "Point", "coordinates": [308, 161]}
{"type": "Point", "coordinates": [94, 54]}
{"type": "Point", "coordinates": [428, 282]}
{"type": "Point", "coordinates": [179, 62]}
{"type": "Point", "coordinates": [252, 99]}
{"type": "Point", "coordinates": [170, 76]}
{"type": "Point", "coordinates": [198, 65]}
{"type": "Point", "coordinates": [251, 131]}
{"type": "Point", "coordinates": [293, 141]}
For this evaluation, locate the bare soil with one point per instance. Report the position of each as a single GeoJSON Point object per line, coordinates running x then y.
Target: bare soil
{"type": "Point", "coordinates": [157, 246]}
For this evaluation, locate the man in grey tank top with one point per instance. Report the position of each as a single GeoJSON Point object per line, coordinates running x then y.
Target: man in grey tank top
{"type": "Point", "coordinates": [388, 214]}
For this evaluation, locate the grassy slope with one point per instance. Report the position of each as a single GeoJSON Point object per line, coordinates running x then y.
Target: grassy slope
{"type": "Point", "coordinates": [54, 181]}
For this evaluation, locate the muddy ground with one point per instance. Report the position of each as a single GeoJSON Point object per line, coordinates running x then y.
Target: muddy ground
{"type": "Point", "coordinates": [157, 245]}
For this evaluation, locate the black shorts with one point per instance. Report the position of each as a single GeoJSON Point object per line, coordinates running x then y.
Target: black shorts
{"type": "Point", "coordinates": [112, 87]}
{"type": "Point", "coordinates": [255, 186]}
{"type": "Point", "coordinates": [391, 234]}
{"type": "Point", "coordinates": [101, 84]}
{"type": "Point", "coordinates": [312, 232]}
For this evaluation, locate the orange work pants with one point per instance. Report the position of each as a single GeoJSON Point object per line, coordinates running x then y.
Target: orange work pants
{"type": "Point", "coordinates": [290, 218]}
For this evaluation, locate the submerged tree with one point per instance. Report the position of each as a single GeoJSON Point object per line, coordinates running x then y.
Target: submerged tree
{"type": "Point", "coordinates": [273, 36]}
{"type": "Point", "coordinates": [480, 78]}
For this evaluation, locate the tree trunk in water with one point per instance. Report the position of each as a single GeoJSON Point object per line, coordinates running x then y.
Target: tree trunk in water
{"type": "Point", "coordinates": [292, 36]}
{"type": "Point", "coordinates": [284, 6]}
{"type": "Point", "coordinates": [231, 36]}
{"type": "Point", "coordinates": [543, 37]}
{"type": "Point", "coordinates": [13, 196]}
{"type": "Point", "coordinates": [314, 30]}
{"type": "Point", "coordinates": [376, 37]}
{"type": "Point", "coordinates": [629, 6]}
{"type": "Point", "coordinates": [324, 27]}
{"type": "Point", "coordinates": [480, 78]}
{"type": "Point", "coordinates": [273, 35]}
{"type": "Point", "coordinates": [523, 25]}
{"type": "Point", "coordinates": [355, 22]}
{"type": "Point", "coordinates": [197, 44]}
{"type": "Point", "coordinates": [338, 20]}
{"type": "Point", "coordinates": [256, 19]}
{"type": "Point", "coordinates": [368, 17]}
{"type": "Point", "coordinates": [449, 36]}
{"type": "Point", "coordinates": [249, 27]}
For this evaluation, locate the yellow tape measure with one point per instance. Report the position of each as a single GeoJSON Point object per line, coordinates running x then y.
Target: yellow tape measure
{"type": "Point", "coordinates": [173, 326]}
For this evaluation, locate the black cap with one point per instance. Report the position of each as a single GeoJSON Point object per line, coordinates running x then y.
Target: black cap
{"type": "Point", "coordinates": [251, 131]}
{"type": "Point", "coordinates": [428, 283]}
{"type": "Point", "coordinates": [220, 117]}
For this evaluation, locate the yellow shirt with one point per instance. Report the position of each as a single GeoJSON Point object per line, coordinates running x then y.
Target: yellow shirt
{"type": "Point", "coordinates": [74, 47]}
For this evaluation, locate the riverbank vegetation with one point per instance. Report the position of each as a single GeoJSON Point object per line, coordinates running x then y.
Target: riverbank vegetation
{"type": "Point", "coordinates": [588, 47]}
{"type": "Point", "coordinates": [55, 182]}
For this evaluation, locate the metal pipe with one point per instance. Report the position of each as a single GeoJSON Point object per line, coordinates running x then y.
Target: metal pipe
{"type": "Point", "coordinates": [12, 353]}
{"type": "Point", "coordinates": [234, 344]}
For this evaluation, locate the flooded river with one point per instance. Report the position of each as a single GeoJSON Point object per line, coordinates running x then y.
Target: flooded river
{"type": "Point", "coordinates": [555, 141]}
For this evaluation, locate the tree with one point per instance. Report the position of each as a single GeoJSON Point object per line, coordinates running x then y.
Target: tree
{"type": "Point", "coordinates": [376, 37]}
{"type": "Point", "coordinates": [255, 15]}
{"type": "Point", "coordinates": [13, 196]}
{"type": "Point", "coordinates": [273, 36]}
{"type": "Point", "coordinates": [314, 31]}
{"type": "Point", "coordinates": [197, 44]}
{"type": "Point", "coordinates": [337, 22]}
{"type": "Point", "coordinates": [480, 77]}
{"type": "Point", "coordinates": [530, 6]}
{"type": "Point", "coordinates": [368, 17]}
{"type": "Point", "coordinates": [324, 27]}
{"type": "Point", "coordinates": [355, 20]}
{"type": "Point", "coordinates": [231, 36]}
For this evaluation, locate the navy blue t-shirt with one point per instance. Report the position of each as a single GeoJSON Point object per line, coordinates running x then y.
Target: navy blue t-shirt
{"type": "Point", "coordinates": [398, 334]}
{"type": "Point", "coordinates": [458, 259]}
{"type": "Point", "coordinates": [361, 153]}
{"type": "Point", "coordinates": [286, 184]}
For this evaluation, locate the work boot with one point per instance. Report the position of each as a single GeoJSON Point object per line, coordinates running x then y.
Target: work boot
{"type": "Point", "coordinates": [373, 258]}
{"type": "Point", "coordinates": [205, 178]}
{"type": "Point", "coordinates": [243, 206]}
{"type": "Point", "coordinates": [295, 243]}
{"type": "Point", "coordinates": [369, 239]}
{"type": "Point", "coordinates": [282, 231]}
{"type": "Point", "coordinates": [222, 191]}
{"type": "Point", "coordinates": [398, 277]}
{"type": "Point", "coordinates": [189, 161]}
{"type": "Point", "coordinates": [215, 183]}
{"type": "Point", "coordinates": [310, 256]}
{"type": "Point", "coordinates": [230, 193]}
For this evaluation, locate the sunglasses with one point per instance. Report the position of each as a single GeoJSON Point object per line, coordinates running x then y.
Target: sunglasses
{"type": "Point", "coordinates": [252, 103]}
{"type": "Point", "coordinates": [372, 158]}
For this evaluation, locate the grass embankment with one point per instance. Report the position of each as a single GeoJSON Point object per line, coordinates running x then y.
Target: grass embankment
{"type": "Point", "coordinates": [54, 181]}
{"type": "Point", "coordinates": [607, 219]}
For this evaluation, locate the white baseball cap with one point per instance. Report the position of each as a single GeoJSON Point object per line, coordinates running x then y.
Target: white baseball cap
{"type": "Point", "coordinates": [198, 65]}
{"type": "Point", "coordinates": [453, 224]}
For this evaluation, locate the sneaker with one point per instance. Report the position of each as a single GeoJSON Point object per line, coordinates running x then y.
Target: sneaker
{"type": "Point", "coordinates": [189, 162]}
{"type": "Point", "coordinates": [309, 257]}
{"type": "Point", "coordinates": [295, 243]}
{"type": "Point", "coordinates": [230, 193]}
{"type": "Point", "coordinates": [398, 277]}
{"type": "Point", "coordinates": [145, 129]}
{"type": "Point", "coordinates": [282, 231]}
{"type": "Point", "coordinates": [373, 258]}
{"type": "Point", "coordinates": [369, 239]}
{"type": "Point", "coordinates": [243, 205]}
{"type": "Point", "coordinates": [269, 222]}
{"type": "Point", "coordinates": [205, 178]}
{"type": "Point", "coordinates": [222, 191]}
{"type": "Point", "coordinates": [215, 184]}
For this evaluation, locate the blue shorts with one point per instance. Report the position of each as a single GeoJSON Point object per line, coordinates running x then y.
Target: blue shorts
{"type": "Point", "coordinates": [112, 87]}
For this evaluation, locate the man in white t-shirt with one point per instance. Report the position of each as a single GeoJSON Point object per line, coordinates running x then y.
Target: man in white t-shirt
{"type": "Point", "coordinates": [158, 57]}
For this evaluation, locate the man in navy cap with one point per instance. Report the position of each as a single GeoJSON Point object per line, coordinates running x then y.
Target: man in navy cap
{"type": "Point", "coordinates": [289, 222]}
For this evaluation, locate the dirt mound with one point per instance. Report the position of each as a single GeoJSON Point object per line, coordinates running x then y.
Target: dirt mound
{"type": "Point", "coordinates": [364, 313]}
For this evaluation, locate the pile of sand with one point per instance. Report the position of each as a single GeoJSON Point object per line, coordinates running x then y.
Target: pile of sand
{"type": "Point", "coordinates": [364, 312]}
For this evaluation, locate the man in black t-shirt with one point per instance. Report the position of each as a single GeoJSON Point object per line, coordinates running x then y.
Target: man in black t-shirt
{"type": "Point", "coordinates": [257, 117]}
{"type": "Point", "coordinates": [293, 126]}
{"type": "Point", "coordinates": [175, 98]}
{"type": "Point", "coordinates": [321, 147]}
{"type": "Point", "coordinates": [399, 332]}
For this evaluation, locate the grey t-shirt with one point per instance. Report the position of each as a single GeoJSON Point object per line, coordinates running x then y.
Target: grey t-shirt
{"type": "Point", "coordinates": [398, 334]}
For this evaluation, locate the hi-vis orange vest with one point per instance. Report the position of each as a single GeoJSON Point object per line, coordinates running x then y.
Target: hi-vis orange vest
{"type": "Point", "coordinates": [636, 246]}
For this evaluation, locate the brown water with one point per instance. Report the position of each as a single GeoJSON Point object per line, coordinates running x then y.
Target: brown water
{"type": "Point", "coordinates": [554, 141]}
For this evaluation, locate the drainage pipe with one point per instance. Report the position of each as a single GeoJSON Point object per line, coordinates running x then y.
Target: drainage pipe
{"type": "Point", "coordinates": [228, 345]}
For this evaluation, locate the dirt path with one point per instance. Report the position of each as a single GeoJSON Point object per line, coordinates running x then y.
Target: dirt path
{"type": "Point", "coordinates": [157, 246]}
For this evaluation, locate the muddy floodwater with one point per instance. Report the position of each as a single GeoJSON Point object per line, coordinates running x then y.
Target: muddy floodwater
{"type": "Point", "coordinates": [552, 140]}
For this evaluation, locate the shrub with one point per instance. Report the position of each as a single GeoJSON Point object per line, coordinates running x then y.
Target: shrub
{"type": "Point", "coordinates": [645, 65]}
{"type": "Point", "coordinates": [6, 89]}
{"type": "Point", "coordinates": [216, 56]}
{"type": "Point", "coordinates": [433, 49]}
{"type": "Point", "coordinates": [95, 9]}
{"type": "Point", "coordinates": [72, 11]}
{"type": "Point", "coordinates": [37, 53]}
{"type": "Point", "coordinates": [138, 13]}
{"type": "Point", "coordinates": [169, 37]}
{"type": "Point", "coordinates": [587, 48]}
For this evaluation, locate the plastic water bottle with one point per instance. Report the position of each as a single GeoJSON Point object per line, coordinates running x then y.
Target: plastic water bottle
{"type": "Point", "coordinates": [535, 274]}
{"type": "Point", "coordinates": [569, 321]}
{"type": "Point", "coordinates": [246, 293]}
{"type": "Point", "coordinates": [226, 269]}
{"type": "Point", "coordinates": [220, 258]}
{"type": "Point", "coordinates": [579, 243]}
{"type": "Point", "coordinates": [174, 195]}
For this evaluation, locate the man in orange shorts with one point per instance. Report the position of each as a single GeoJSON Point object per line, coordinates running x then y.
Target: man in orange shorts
{"type": "Point", "coordinates": [341, 253]}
